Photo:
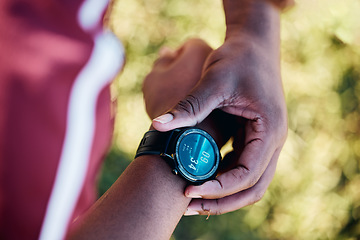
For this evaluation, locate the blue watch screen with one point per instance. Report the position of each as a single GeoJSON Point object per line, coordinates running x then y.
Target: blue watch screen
{"type": "Point", "coordinates": [196, 154]}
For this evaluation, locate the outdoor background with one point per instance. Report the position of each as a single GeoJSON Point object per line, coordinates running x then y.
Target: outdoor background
{"type": "Point", "coordinates": [316, 190]}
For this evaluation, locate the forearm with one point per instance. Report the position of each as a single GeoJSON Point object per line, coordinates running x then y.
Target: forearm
{"type": "Point", "coordinates": [146, 202]}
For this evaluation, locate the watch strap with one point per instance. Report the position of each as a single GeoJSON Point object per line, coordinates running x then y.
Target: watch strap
{"type": "Point", "coordinates": [154, 143]}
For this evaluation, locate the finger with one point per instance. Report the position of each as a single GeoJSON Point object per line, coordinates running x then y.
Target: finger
{"type": "Point", "coordinates": [193, 52]}
{"type": "Point", "coordinates": [166, 57]}
{"type": "Point", "coordinates": [252, 163]}
{"type": "Point", "coordinates": [188, 112]}
{"type": "Point", "coordinates": [230, 159]}
{"type": "Point", "coordinates": [238, 200]}
{"type": "Point", "coordinates": [166, 52]}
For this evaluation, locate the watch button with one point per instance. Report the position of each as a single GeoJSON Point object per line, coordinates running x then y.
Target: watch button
{"type": "Point", "coordinates": [174, 171]}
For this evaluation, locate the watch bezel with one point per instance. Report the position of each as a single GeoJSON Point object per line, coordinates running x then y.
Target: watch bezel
{"type": "Point", "coordinates": [197, 178]}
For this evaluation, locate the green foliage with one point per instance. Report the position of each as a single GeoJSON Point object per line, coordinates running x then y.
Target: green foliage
{"type": "Point", "coordinates": [224, 227]}
{"type": "Point", "coordinates": [315, 193]}
{"type": "Point", "coordinates": [115, 163]}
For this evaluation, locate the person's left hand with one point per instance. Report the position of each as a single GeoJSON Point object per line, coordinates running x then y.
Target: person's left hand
{"type": "Point", "coordinates": [173, 75]}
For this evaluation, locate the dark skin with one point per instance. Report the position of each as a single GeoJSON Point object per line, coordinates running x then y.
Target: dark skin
{"type": "Point", "coordinates": [242, 78]}
{"type": "Point", "coordinates": [147, 201]}
{"type": "Point", "coordinates": [173, 75]}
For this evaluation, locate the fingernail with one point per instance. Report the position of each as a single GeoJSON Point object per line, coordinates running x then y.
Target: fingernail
{"type": "Point", "coordinates": [164, 118]}
{"type": "Point", "coordinates": [193, 196]}
{"type": "Point", "coordinates": [190, 212]}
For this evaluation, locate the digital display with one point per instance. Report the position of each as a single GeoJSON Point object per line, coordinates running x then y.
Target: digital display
{"type": "Point", "coordinates": [196, 154]}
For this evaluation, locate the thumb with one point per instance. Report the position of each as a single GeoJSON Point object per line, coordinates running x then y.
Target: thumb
{"type": "Point", "coordinates": [191, 110]}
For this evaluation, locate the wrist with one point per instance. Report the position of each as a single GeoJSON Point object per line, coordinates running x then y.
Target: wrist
{"type": "Point", "coordinates": [258, 19]}
{"type": "Point", "coordinates": [192, 153]}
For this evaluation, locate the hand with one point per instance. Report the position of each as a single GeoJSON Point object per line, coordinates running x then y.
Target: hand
{"type": "Point", "coordinates": [173, 75]}
{"type": "Point", "coordinates": [242, 78]}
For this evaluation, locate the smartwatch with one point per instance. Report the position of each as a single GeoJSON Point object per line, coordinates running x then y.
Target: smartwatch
{"type": "Point", "coordinates": [191, 152]}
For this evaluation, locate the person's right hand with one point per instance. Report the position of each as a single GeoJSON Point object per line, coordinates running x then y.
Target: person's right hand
{"type": "Point", "coordinates": [242, 78]}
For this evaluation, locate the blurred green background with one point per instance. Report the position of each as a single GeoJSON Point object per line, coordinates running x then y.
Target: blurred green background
{"type": "Point", "coordinates": [316, 190]}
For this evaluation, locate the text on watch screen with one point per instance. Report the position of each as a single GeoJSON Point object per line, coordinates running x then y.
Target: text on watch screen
{"type": "Point", "coordinates": [196, 154]}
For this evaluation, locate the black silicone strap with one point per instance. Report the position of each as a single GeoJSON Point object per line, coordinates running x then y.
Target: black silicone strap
{"type": "Point", "coordinates": [154, 143]}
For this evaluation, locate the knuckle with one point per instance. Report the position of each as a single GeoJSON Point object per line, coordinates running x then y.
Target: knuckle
{"type": "Point", "coordinates": [244, 175]}
{"type": "Point", "coordinates": [212, 207]}
{"type": "Point", "coordinates": [258, 195]}
{"type": "Point", "coordinates": [238, 173]}
{"type": "Point", "coordinates": [252, 180]}
{"type": "Point", "coordinates": [217, 210]}
{"type": "Point", "coordinates": [198, 42]}
{"type": "Point", "coordinates": [220, 185]}
{"type": "Point", "coordinates": [260, 126]}
{"type": "Point", "coordinates": [276, 124]}
{"type": "Point", "coordinates": [190, 105]}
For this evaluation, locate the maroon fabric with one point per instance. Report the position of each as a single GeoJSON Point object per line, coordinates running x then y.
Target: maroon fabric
{"type": "Point", "coordinates": [42, 50]}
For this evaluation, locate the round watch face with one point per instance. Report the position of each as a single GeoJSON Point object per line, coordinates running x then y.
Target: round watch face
{"type": "Point", "coordinates": [197, 155]}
